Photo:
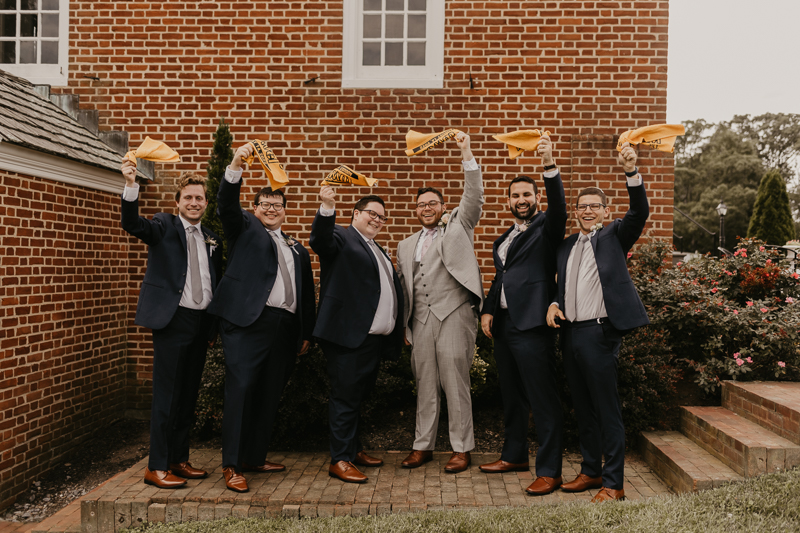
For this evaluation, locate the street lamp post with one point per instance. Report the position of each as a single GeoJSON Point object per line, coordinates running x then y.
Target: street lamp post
{"type": "Point", "coordinates": [722, 210]}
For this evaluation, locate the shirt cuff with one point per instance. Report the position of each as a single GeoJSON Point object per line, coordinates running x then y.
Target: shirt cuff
{"type": "Point", "coordinates": [326, 212]}
{"type": "Point", "coordinates": [635, 181]}
{"type": "Point", "coordinates": [471, 164]}
{"type": "Point", "coordinates": [131, 194]}
{"type": "Point", "coordinates": [233, 176]}
{"type": "Point", "coordinates": [551, 173]}
{"type": "Point", "coordinates": [556, 304]}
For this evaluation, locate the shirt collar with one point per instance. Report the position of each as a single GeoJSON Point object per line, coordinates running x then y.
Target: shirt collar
{"type": "Point", "coordinates": [186, 224]}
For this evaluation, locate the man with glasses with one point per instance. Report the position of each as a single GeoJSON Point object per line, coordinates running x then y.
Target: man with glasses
{"type": "Point", "coordinates": [182, 273]}
{"type": "Point", "coordinates": [514, 314]}
{"type": "Point", "coordinates": [359, 320]}
{"type": "Point", "coordinates": [266, 305]}
{"type": "Point", "coordinates": [596, 304]}
{"type": "Point", "coordinates": [442, 293]}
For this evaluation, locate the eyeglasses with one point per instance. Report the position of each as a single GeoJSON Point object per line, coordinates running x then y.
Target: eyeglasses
{"type": "Point", "coordinates": [375, 216]}
{"type": "Point", "coordinates": [593, 207]}
{"type": "Point", "coordinates": [432, 204]}
{"type": "Point", "coordinates": [266, 205]}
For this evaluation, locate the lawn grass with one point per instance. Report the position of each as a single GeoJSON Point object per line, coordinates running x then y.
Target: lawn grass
{"type": "Point", "coordinates": [769, 503]}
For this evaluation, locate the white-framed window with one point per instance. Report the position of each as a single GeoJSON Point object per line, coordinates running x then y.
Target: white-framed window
{"type": "Point", "coordinates": [34, 40]}
{"type": "Point", "coordinates": [393, 43]}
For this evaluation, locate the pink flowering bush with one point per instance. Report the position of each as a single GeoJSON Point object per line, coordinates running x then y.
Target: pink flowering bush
{"type": "Point", "coordinates": [730, 318]}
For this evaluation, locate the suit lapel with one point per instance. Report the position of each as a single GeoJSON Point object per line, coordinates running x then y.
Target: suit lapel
{"type": "Point", "coordinates": [366, 247]}
{"type": "Point", "coordinates": [497, 244]}
{"type": "Point", "coordinates": [593, 240]}
{"type": "Point", "coordinates": [181, 235]}
{"type": "Point", "coordinates": [206, 237]}
{"type": "Point", "coordinates": [298, 276]}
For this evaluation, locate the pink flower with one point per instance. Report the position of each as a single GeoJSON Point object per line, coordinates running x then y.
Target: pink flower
{"type": "Point", "coordinates": [739, 362]}
{"type": "Point", "coordinates": [769, 261]}
{"type": "Point", "coordinates": [735, 312]}
{"type": "Point", "coordinates": [789, 300]}
{"type": "Point", "coordinates": [749, 304]}
{"type": "Point", "coordinates": [764, 309]}
{"type": "Point", "coordinates": [630, 254]}
{"type": "Point", "coordinates": [744, 253]}
{"type": "Point", "coordinates": [749, 360]}
{"type": "Point", "coordinates": [761, 248]}
{"type": "Point", "coordinates": [795, 275]}
{"type": "Point", "coordinates": [736, 355]}
{"type": "Point", "coordinates": [714, 290]}
{"type": "Point", "coordinates": [679, 263]}
{"type": "Point", "coordinates": [781, 364]}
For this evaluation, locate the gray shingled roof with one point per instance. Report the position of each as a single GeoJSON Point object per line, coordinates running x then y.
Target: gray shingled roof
{"type": "Point", "coordinates": [28, 120]}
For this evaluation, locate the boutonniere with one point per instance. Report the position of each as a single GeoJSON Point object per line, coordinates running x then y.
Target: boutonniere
{"type": "Point", "coordinates": [210, 241]}
{"type": "Point", "coordinates": [385, 251]}
{"type": "Point", "coordinates": [289, 242]}
{"type": "Point", "coordinates": [444, 220]}
{"type": "Point", "coordinates": [597, 227]}
{"type": "Point", "coordinates": [525, 225]}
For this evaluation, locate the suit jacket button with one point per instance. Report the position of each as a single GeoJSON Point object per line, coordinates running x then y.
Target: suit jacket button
{"type": "Point", "coordinates": [180, 291]}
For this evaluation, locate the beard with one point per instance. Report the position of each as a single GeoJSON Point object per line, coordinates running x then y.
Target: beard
{"type": "Point", "coordinates": [532, 209]}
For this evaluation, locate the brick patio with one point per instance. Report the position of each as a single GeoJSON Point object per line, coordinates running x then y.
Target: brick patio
{"type": "Point", "coordinates": [306, 490]}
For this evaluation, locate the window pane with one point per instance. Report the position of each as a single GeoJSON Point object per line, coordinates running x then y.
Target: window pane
{"type": "Point", "coordinates": [29, 5]}
{"type": "Point", "coordinates": [416, 5]}
{"type": "Point", "coordinates": [395, 5]}
{"type": "Point", "coordinates": [50, 25]}
{"type": "Point", "coordinates": [8, 52]}
{"type": "Point", "coordinates": [394, 54]}
{"type": "Point", "coordinates": [394, 26]}
{"type": "Point", "coordinates": [372, 5]}
{"type": "Point", "coordinates": [8, 25]}
{"type": "Point", "coordinates": [50, 52]}
{"type": "Point", "coordinates": [52, 5]}
{"type": "Point", "coordinates": [372, 26]}
{"type": "Point", "coordinates": [28, 25]}
{"type": "Point", "coordinates": [8, 4]}
{"type": "Point", "coordinates": [416, 26]}
{"type": "Point", "coordinates": [416, 54]}
{"type": "Point", "coordinates": [27, 52]}
{"type": "Point", "coordinates": [372, 54]}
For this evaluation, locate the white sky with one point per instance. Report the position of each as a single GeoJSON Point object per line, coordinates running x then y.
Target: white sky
{"type": "Point", "coordinates": [733, 57]}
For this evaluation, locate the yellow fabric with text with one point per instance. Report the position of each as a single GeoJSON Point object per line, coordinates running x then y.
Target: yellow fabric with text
{"type": "Point", "coordinates": [417, 142]}
{"type": "Point", "coordinates": [659, 136]}
{"type": "Point", "coordinates": [269, 162]}
{"type": "Point", "coordinates": [153, 151]}
{"type": "Point", "coordinates": [342, 175]}
{"type": "Point", "coordinates": [520, 141]}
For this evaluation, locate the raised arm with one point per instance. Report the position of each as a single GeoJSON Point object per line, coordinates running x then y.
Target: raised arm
{"type": "Point", "coordinates": [148, 231]}
{"type": "Point", "coordinates": [635, 219]}
{"type": "Point", "coordinates": [555, 222]}
{"type": "Point", "coordinates": [324, 240]}
{"type": "Point", "coordinates": [471, 204]}
{"type": "Point", "coordinates": [228, 207]}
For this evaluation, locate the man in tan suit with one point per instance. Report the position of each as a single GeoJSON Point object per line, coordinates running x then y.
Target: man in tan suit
{"type": "Point", "coordinates": [442, 293]}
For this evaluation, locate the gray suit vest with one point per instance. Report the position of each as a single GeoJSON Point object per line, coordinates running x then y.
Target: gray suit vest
{"type": "Point", "coordinates": [435, 289]}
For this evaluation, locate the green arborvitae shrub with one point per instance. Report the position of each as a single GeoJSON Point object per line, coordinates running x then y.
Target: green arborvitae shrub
{"type": "Point", "coordinates": [772, 214]}
{"type": "Point", "coordinates": [221, 156]}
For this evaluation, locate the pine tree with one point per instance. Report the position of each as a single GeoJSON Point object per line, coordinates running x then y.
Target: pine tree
{"type": "Point", "coordinates": [221, 156]}
{"type": "Point", "coordinates": [772, 215]}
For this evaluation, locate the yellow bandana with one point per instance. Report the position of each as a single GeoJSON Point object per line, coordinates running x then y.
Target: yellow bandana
{"type": "Point", "coordinates": [417, 142]}
{"type": "Point", "coordinates": [342, 174]}
{"type": "Point", "coordinates": [272, 167]}
{"type": "Point", "coordinates": [661, 137]}
{"type": "Point", "coordinates": [520, 141]}
{"type": "Point", "coordinates": [153, 151]}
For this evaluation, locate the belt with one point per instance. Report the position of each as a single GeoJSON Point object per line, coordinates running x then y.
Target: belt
{"type": "Point", "coordinates": [585, 323]}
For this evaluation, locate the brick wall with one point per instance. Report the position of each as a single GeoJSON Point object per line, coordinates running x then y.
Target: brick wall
{"type": "Point", "coordinates": [584, 70]}
{"type": "Point", "coordinates": [63, 280]}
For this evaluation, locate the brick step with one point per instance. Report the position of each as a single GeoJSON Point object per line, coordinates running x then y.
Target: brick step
{"type": "Point", "coordinates": [746, 447]}
{"type": "Point", "coordinates": [773, 405]}
{"type": "Point", "coordinates": [683, 465]}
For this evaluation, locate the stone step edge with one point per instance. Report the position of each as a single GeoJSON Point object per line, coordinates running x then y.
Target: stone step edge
{"type": "Point", "coordinates": [732, 389]}
{"type": "Point", "coordinates": [749, 446]}
{"type": "Point", "coordinates": [678, 472]}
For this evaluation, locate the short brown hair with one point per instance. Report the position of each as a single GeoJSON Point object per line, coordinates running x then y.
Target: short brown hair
{"type": "Point", "coordinates": [588, 191]}
{"type": "Point", "coordinates": [267, 192]}
{"type": "Point", "coordinates": [190, 178]}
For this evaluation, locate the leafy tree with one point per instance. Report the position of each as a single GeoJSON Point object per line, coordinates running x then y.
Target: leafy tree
{"type": "Point", "coordinates": [221, 157]}
{"type": "Point", "coordinates": [772, 217]}
{"type": "Point", "coordinates": [739, 200]}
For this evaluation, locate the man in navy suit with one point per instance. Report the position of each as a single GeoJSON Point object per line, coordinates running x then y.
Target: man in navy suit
{"type": "Point", "coordinates": [596, 304]}
{"type": "Point", "coordinates": [266, 305]}
{"type": "Point", "coordinates": [360, 319]}
{"type": "Point", "coordinates": [514, 315]}
{"type": "Point", "coordinates": [183, 266]}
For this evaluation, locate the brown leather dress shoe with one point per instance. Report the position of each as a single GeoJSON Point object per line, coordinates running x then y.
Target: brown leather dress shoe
{"type": "Point", "coordinates": [163, 479]}
{"type": "Point", "coordinates": [266, 467]}
{"type": "Point", "coordinates": [458, 462]}
{"type": "Point", "coordinates": [544, 485]}
{"type": "Point", "coordinates": [362, 459]}
{"type": "Point", "coordinates": [347, 472]}
{"type": "Point", "coordinates": [582, 483]}
{"type": "Point", "coordinates": [417, 458]}
{"type": "Point", "coordinates": [234, 480]}
{"type": "Point", "coordinates": [186, 470]}
{"type": "Point", "coordinates": [502, 466]}
{"type": "Point", "coordinates": [606, 495]}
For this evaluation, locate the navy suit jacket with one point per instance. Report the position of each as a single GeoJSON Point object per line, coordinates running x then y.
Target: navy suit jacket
{"type": "Point", "coordinates": [528, 273]}
{"type": "Point", "coordinates": [167, 263]}
{"type": "Point", "coordinates": [253, 267]}
{"type": "Point", "coordinates": [350, 286]}
{"type": "Point", "coordinates": [611, 245]}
